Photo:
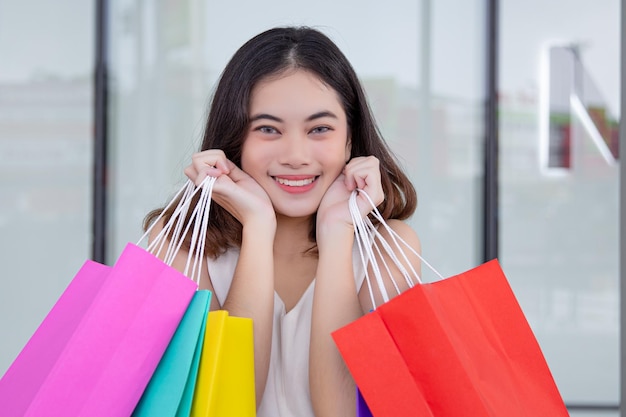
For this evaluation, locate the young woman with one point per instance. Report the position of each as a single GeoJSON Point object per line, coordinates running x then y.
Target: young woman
{"type": "Point", "coordinates": [289, 136]}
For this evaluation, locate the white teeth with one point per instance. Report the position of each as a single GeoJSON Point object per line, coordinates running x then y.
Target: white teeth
{"type": "Point", "coordinates": [297, 183]}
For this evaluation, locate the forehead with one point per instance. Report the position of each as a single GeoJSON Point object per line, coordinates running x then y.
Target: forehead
{"type": "Point", "coordinates": [291, 91]}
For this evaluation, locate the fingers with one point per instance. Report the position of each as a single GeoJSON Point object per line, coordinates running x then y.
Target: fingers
{"type": "Point", "coordinates": [208, 163]}
{"type": "Point", "coordinates": [236, 173]}
{"type": "Point", "coordinates": [364, 173]}
{"type": "Point", "coordinates": [214, 163]}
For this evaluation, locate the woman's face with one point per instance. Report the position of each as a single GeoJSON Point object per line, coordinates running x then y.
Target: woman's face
{"type": "Point", "coordinates": [297, 141]}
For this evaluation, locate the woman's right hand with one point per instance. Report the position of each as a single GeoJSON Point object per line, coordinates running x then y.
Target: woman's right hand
{"type": "Point", "coordinates": [234, 190]}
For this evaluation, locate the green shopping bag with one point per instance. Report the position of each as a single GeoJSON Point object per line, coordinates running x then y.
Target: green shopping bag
{"type": "Point", "coordinates": [171, 388]}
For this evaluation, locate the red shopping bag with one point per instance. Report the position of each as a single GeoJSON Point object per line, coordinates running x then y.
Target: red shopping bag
{"type": "Point", "coordinates": [456, 347]}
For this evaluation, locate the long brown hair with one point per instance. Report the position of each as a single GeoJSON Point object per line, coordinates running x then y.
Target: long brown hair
{"type": "Point", "coordinates": [271, 53]}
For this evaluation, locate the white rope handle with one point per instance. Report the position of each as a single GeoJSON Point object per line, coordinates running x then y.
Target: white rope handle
{"type": "Point", "coordinates": [370, 242]}
{"type": "Point", "coordinates": [172, 233]}
{"type": "Point", "coordinates": [183, 189]}
{"type": "Point", "coordinates": [363, 238]}
{"type": "Point", "coordinates": [198, 237]}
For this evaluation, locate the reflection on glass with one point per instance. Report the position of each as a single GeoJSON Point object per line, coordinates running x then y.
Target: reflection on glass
{"type": "Point", "coordinates": [559, 187]}
{"type": "Point", "coordinates": [45, 159]}
{"type": "Point", "coordinates": [567, 92]}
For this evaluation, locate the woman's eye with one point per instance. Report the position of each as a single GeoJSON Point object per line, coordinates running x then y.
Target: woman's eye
{"type": "Point", "coordinates": [320, 129]}
{"type": "Point", "coordinates": [267, 129]}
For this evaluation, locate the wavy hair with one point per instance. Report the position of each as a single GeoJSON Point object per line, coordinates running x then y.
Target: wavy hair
{"type": "Point", "coordinates": [269, 54]}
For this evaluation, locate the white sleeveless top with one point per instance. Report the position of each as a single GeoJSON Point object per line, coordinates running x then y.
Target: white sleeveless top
{"type": "Point", "coordinates": [287, 388]}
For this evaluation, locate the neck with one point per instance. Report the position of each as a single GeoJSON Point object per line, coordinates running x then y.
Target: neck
{"type": "Point", "coordinates": [292, 236]}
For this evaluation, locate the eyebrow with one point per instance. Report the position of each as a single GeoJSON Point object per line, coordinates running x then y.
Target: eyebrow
{"type": "Point", "coordinates": [312, 117]}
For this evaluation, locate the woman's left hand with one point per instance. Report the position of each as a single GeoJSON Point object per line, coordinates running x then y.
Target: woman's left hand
{"type": "Point", "coordinates": [361, 172]}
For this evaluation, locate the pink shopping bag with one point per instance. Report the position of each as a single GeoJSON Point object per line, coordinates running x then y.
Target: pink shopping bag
{"type": "Point", "coordinates": [96, 350]}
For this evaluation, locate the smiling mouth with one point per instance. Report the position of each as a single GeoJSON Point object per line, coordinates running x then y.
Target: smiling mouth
{"type": "Point", "coordinates": [300, 182]}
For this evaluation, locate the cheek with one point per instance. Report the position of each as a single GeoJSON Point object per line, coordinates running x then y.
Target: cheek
{"type": "Point", "coordinates": [247, 163]}
{"type": "Point", "coordinates": [254, 155]}
{"type": "Point", "coordinates": [334, 156]}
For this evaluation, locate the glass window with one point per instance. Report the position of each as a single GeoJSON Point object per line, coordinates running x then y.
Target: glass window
{"type": "Point", "coordinates": [45, 159]}
{"type": "Point", "coordinates": [559, 108]}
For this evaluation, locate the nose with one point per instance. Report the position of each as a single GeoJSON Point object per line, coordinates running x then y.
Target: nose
{"type": "Point", "coordinates": [295, 151]}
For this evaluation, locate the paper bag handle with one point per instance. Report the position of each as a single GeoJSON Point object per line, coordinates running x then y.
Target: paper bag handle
{"type": "Point", "coordinates": [174, 227]}
{"type": "Point", "coordinates": [370, 242]}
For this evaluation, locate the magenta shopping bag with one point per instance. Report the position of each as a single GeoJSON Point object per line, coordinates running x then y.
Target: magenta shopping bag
{"type": "Point", "coordinates": [96, 350]}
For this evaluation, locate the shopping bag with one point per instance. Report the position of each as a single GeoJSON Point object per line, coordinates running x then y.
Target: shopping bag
{"type": "Point", "coordinates": [97, 348]}
{"type": "Point", "coordinates": [24, 378]}
{"type": "Point", "coordinates": [225, 384]}
{"type": "Point", "coordinates": [362, 410]}
{"type": "Point", "coordinates": [460, 346]}
{"type": "Point", "coordinates": [170, 391]}
{"type": "Point", "coordinates": [379, 370]}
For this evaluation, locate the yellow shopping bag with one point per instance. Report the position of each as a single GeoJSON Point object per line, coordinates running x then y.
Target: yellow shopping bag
{"type": "Point", "coordinates": [225, 383]}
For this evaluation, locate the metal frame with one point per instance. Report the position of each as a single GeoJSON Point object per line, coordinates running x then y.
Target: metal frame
{"type": "Point", "coordinates": [622, 217]}
{"type": "Point", "coordinates": [99, 197]}
{"type": "Point", "coordinates": [490, 179]}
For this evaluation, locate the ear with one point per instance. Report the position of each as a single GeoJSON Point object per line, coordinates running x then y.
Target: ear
{"type": "Point", "coordinates": [348, 149]}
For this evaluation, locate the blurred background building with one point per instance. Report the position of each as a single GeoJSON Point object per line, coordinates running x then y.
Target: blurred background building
{"type": "Point", "coordinates": [554, 223]}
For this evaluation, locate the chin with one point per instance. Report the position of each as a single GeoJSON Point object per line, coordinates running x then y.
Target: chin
{"type": "Point", "coordinates": [295, 212]}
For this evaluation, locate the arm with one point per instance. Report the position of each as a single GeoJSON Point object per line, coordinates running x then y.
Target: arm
{"type": "Point", "coordinates": [251, 293]}
{"type": "Point", "coordinates": [335, 304]}
{"type": "Point", "coordinates": [336, 301]}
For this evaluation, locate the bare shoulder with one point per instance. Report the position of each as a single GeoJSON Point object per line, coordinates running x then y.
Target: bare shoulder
{"type": "Point", "coordinates": [405, 231]}
{"type": "Point", "coordinates": [393, 278]}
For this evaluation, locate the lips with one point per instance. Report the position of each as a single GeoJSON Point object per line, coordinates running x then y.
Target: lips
{"type": "Point", "coordinates": [296, 183]}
